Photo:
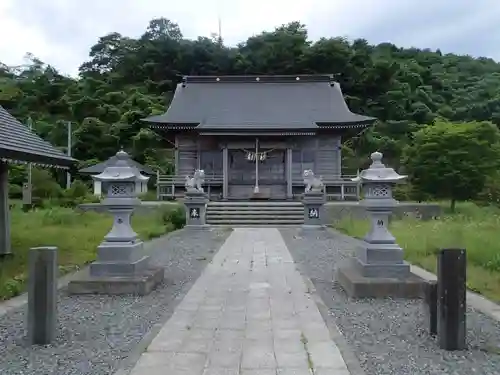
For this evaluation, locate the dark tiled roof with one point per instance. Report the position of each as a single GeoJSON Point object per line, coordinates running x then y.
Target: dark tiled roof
{"type": "Point", "coordinates": [99, 168]}
{"type": "Point", "coordinates": [18, 143]}
{"type": "Point", "coordinates": [263, 103]}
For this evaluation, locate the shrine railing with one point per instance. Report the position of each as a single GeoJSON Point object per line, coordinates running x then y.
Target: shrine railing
{"type": "Point", "coordinates": [170, 187]}
{"type": "Point", "coordinates": [339, 188]}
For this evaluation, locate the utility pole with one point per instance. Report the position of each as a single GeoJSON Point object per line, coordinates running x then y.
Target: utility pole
{"type": "Point", "coordinates": [220, 31]}
{"type": "Point", "coordinates": [68, 175]}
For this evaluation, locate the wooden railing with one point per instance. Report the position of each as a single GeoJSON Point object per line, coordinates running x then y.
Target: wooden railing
{"type": "Point", "coordinates": [168, 187]}
{"type": "Point", "coordinates": [341, 188]}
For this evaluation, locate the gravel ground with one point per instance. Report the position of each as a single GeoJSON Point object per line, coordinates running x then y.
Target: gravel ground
{"type": "Point", "coordinates": [97, 332]}
{"type": "Point", "coordinates": [389, 336]}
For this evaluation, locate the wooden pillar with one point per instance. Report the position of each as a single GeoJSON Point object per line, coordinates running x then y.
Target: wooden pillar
{"type": "Point", "coordinates": [5, 245]}
{"type": "Point", "coordinates": [225, 171]}
{"type": "Point", "coordinates": [157, 185]}
{"type": "Point", "coordinates": [176, 156]}
{"type": "Point", "coordinates": [42, 295]}
{"type": "Point", "coordinates": [451, 299]}
{"type": "Point", "coordinates": [97, 188]}
{"type": "Point", "coordinates": [289, 175]}
{"type": "Point", "coordinates": [339, 156]}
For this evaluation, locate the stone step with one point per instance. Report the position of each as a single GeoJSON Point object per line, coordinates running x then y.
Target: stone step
{"type": "Point", "coordinates": [255, 213]}
{"type": "Point", "coordinates": [255, 204]}
{"type": "Point", "coordinates": [254, 216]}
{"type": "Point", "coordinates": [274, 225]}
{"type": "Point", "coordinates": [266, 222]}
{"type": "Point", "coordinates": [256, 210]}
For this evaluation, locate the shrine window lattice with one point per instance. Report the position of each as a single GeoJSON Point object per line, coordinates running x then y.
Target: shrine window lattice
{"type": "Point", "coordinates": [118, 190]}
{"type": "Point", "coordinates": [379, 191]}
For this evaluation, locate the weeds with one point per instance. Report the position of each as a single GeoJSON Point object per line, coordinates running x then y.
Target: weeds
{"type": "Point", "coordinates": [471, 227]}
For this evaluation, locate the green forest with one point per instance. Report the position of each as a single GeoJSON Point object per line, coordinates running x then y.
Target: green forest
{"type": "Point", "coordinates": [438, 113]}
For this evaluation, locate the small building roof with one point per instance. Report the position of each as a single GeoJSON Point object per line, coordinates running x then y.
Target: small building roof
{"type": "Point", "coordinates": [121, 169]}
{"type": "Point", "coordinates": [300, 102]}
{"type": "Point", "coordinates": [99, 168]}
{"type": "Point", "coordinates": [18, 143]}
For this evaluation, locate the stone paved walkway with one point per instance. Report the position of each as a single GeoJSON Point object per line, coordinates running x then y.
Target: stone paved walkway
{"type": "Point", "coordinates": [249, 313]}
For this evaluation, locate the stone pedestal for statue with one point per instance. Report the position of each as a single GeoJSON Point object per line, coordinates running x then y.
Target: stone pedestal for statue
{"type": "Point", "coordinates": [379, 269]}
{"type": "Point", "coordinates": [121, 266]}
{"type": "Point", "coordinates": [313, 209]}
{"type": "Point", "coordinates": [196, 205]}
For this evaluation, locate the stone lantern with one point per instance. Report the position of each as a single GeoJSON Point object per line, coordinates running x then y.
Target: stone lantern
{"type": "Point", "coordinates": [121, 265]}
{"type": "Point", "coordinates": [379, 269]}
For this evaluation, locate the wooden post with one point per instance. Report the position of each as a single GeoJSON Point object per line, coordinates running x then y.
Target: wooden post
{"type": "Point", "coordinates": [157, 185]}
{"type": "Point", "coordinates": [431, 306]}
{"type": "Point", "coordinates": [5, 243]}
{"type": "Point", "coordinates": [289, 175]}
{"type": "Point", "coordinates": [225, 170]}
{"type": "Point", "coordinates": [176, 157]}
{"type": "Point", "coordinates": [42, 295]}
{"type": "Point", "coordinates": [451, 291]}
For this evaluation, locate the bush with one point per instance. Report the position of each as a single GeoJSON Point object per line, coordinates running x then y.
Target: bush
{"type": "Point", "coordinates": [78, 189]}
{"type": "Point", "coordinates": [15, 191]}
{"type": "Point", "coordinates": [173, 215]}
{"type": "Point", "coordinates": [44, 185]}
{"type": "Point", "coordinates": [148, 196]}
{"type": "Point", "coordinates": [471, 227]}
{"type": "Point", "coordinates": [490, 194]}
{"type": "Point", "coordinates": [76, 234]}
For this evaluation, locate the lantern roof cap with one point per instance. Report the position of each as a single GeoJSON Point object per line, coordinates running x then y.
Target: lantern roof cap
{"type": "Point", "coordinates": [120, 170]}
{"type": "Point", "coordinates": [378, 172]}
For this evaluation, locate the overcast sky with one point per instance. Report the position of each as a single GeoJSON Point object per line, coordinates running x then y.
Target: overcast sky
{"type": "Point", "coordinates": [61, 32]}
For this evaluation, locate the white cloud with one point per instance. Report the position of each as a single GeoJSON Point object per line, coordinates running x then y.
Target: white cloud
{"type": "Point", "coordinates": [61, 32]}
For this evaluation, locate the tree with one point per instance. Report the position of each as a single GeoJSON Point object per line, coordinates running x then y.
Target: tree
{"type": "Point", "coordinates": [126, 79]}
{"type": "Point", "coordinates": [452, 160]}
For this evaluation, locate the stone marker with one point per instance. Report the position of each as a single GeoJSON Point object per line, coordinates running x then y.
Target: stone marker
{"type": "Point", "coordinates": [313, 209]}
{"type": "Point", "coordinates": [27, 197]}
{"type": "Point", "coordinates": [451, 299]}
{"type": "Point", "coordinates": [195, 201]}
{"type": "Point", "coordinates": [42, 295]}
{"type": "Point", "coordinates": [121, 266]}
{"type": "Point", "coordinates": [379, 269]}
{"type": "Point", "coordinates": [313, 200]}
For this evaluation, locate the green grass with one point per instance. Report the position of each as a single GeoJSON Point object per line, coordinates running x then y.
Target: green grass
{"type": "Point", "coordinates": [76, 234]}
{"type": "Point", "coordinates": [477, 229]}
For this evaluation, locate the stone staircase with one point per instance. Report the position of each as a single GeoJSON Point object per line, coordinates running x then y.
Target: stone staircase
{"type": "Point", "coordinates": [250, 214]}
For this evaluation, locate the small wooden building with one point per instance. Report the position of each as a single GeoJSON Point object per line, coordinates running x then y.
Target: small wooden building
{"type": "Point", "coordinates": [255, 135]}
{"type": "Point", "coordinates": [141, 186]}
{"type": "Point", "coordinates": [19, 145]}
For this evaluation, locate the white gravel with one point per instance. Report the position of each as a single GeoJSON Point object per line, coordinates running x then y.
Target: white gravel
{"type": "Point", "coordinates": [96, 332]}
{"type": "Point", "coordinates": [389, 337]}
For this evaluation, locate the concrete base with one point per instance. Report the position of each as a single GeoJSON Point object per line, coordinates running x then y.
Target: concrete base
{"type": "Point", "coordinates": [140, 284]}
{"type": "Point", "coordinates": [197, 227]}
{"type": "Point", "coordinates": [313, 227]}
{"type": "Point", "coordinates": [356, 285]}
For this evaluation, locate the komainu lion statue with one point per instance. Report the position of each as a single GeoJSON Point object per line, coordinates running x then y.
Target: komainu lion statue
{"type": "Point", "coordinates": [311, 182]}
{"type": "Point", "coordinates": [193, 184]}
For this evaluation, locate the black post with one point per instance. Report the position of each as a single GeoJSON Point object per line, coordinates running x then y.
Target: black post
{"type": "Point", "coordinates": [451, 298]}
{"type": "Point", "coordinates": [42, 295]}
{"type": "Point", "coordinates": [431, 305]}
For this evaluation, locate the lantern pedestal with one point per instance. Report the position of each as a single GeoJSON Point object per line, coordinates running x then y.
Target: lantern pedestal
{"type": "Point", "coordinates": [313, 209]}
{"type": "Point", "coordinates": [196, 205]}
{"type": "Point", "coordinates": [121, 266]}
{"type": "Point", "coordinates": [379, 269]}
{"type": "Point", "coordinates": [350, 276]}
